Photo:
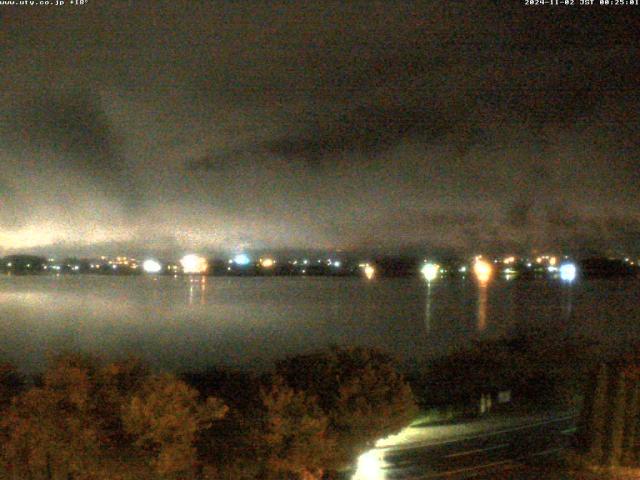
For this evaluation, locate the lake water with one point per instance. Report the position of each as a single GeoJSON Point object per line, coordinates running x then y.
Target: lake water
{"type": "Point", "coordinates": [191, 323]}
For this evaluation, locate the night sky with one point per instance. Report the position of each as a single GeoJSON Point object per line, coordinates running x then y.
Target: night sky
{"type": "Point", "coordinates": [390, 126]}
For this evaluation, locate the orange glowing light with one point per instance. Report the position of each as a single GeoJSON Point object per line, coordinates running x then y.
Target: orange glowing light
{"type": "Point", "coordinates": [267, 262]}
{"type": "Point", "coordinates": [483, 270]}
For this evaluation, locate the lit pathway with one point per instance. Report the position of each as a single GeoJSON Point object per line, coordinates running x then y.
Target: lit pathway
{"type": "Point", "coordinates": [465, 449]}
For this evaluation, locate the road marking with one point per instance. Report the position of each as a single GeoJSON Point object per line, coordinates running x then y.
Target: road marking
{"type": "Point", "coordinates": [569, 431]}
{"type": "Point", "coordinates": [477, 450]}
{"type": "Point", "coordinates": [467, 469]}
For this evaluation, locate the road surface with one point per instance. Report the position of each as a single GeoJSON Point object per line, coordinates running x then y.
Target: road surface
{"type": "Point", "coordinates": [479, 449]}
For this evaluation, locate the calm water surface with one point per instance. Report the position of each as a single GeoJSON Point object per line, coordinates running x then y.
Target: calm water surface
{"type": "Point", "coordinates": [192, 323]}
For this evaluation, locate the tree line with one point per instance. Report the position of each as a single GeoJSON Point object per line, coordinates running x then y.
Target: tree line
{"type": "Point", "coordinates": [310, 416]}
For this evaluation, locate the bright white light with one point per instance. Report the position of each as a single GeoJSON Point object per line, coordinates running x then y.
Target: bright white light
{"type": "Point", "coordinates": [151, 266]}
{"type": "Point", "coordinates": [370, 467]}
{"type": "Point", "coordinates": [337, 263]}
{"type": "Point", "coordinates": [430, 271]}
{"type": "Point", "coordinates": [193, 264]}
{"type": "Point", "coordinates": [568, 272]}
{"type": "Point", "coordinates": [462, 269]}
{"type": "Point", "coordinates": [369, 271]}
{"type": "Point", "coordinates": [242, 259]}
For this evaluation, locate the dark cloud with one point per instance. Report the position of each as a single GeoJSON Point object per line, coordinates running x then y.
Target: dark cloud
{"type": "Point", "coordinates": [173, 125]}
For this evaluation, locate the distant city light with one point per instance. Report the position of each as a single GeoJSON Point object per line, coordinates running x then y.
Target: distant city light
{"type": "Point", "coordinates": [369, 271]}
{"type": "Point", "coordinates": [568, 272]}
{"type": "Point", "coordinates": [337, 263]}
{"type": "Point", "coordinates": [553, 261]}
{"type": "Point", "coordinates": [430, 271]}
{"type": "Point", "coordinates": [193, 264]}
{"type": "Point", "coordinates": [462, 269]}
{"type": "Point", "coordinates": [267, 262]}
{"type": "Point", "coordinates": [242, 259]}
{"type": "Point", "coordinates": [483, 270]}
{"type": "Point", "coordinates": [151, 266]}
{"type": "Point", "coordinates": [509, 260]}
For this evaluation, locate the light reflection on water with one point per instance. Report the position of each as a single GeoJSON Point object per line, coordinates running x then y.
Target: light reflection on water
{"type": "Point", "coordinates": [195, 322]}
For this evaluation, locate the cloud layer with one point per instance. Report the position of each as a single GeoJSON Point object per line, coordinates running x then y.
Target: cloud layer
{"type": "Point", "coordinates": [173, 126]}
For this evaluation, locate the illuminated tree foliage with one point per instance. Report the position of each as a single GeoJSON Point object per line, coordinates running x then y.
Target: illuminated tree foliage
{"type": "Point", "coordinates": [291, 433]}
{"type": "Point", "coordinates": [359, 389]}
{"type": "Point", "coordinates": [51, 431]}
{"type": "Point", "coordinates": [85, 420]}
{"type": "Point", "coordinates": [165, 417]}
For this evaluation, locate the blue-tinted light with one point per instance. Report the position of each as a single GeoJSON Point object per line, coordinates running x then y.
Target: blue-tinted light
{"type": "Point", "coordinates": [242, 259]}
{"type": "Point", "coordinates": [568, 272]}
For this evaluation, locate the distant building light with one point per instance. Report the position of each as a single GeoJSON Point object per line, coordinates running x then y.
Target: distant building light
{"type": "Point", "coordinates": [369, 272]}
{"type": "Point", "coordinates": [151, 266]}
{"type": "Point", "coordinates": [337, 263]}
{"type": "Point", "coordinates": [568, 272]}
{"type": "Point", "coordinates": [267, 262]}
{"type": "Point", "coordinates": [483, 270]}
{"type": "Point", "coordinates": [430, 271]}
{"type": "Point", "coordinates": [242, 259]}
{"type": "Point", "coordinates": [193, 264]}
{"type": "Point", "coordinates": [462, 269]}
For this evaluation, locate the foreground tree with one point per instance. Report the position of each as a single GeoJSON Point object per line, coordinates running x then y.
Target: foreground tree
{"type": "Point", "coordinates": [165, 418]}
{"type": "Point", "coordinates": [359, 389]}
{"type": "Point", "coordinates": [11, 384]}
{"type": "Point", "coordinates": [291, 433]}
{"type": "Point", "coordinates": [52, 432]}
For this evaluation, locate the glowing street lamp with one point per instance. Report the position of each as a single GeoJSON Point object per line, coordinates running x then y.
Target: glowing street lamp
{"type": "Point", "coordinates": [151, 266]}
{"type": "Point", "coordinates": [242, 259]}
{"type": "Point", "coordinates": [430, 271]}
{"type": "Point", "coordinates": [193, 264]}
{"type": "Point", "coordinates": [369, 271]}
{"type": "Point", "coordinates": [568, 272]}
{"type": "Point", "coordinates": [267, 262]}
{"type": "Point", "coordinates": [483, 270]}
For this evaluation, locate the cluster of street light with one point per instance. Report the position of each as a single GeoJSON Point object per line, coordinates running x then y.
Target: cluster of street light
{"type": "Point", "coordinates": [483, 270]}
